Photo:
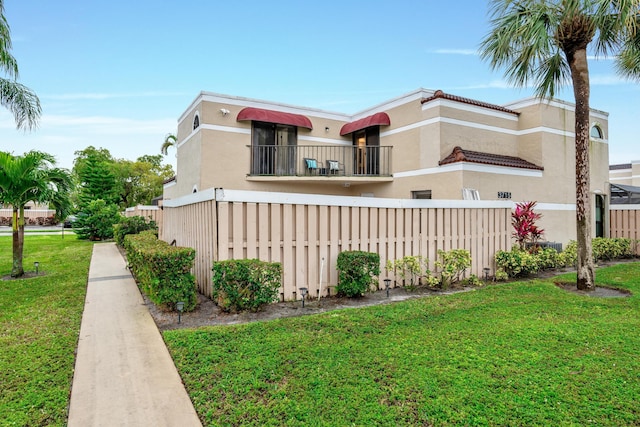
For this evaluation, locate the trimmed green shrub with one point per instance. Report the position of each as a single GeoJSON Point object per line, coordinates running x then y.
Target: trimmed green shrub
{"type": "Point", "coordinates": [547, 258]}
{"type": "Point", "coordinates": [517, 262]}
{"type": "Point", "coordinates": [132, 225]}
{"type": "Point", "coordinates": [410, 267]}
{"type": "Point", "coordinates": [96, 221]}
{"type": "Point", "coordinates": [452, 265]}
{"type": "Point", "coordinates": [569, 256]}
{"type": "Point", "coordinates": [245, 284]}
{"type": "Point", "coordinates": [607, 249]}
{"type": "Point", "coordinates": [357, 271]}
{"type": "Point", "coordinates": [163, 271]}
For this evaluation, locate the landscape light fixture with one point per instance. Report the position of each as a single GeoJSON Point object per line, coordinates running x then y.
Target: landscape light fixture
{"type": "Point", "coordinates": [486, 274]}
{"type": "Point", "coordinates": [387, 285]}
{"type": "Point", "coordinates": [180, 308]}
{"type": "Point", "coordinates": [303, 292]}
{"type": "Point", "coordinates": [36, 265]}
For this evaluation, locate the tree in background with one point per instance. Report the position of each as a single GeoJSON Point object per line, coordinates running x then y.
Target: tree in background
{"type": "Point", "coordinates": [96, 178]}
{"type": "Point", "coordinates": [170, 140]}
{"type": "Point", "coordinates": [142, 179]}
{"type": "Point", "coordinates": [544, 43]}
{"type": "Point", "coordinates": [31, 178]}
{"type": "Point", "coordinates": [21, 101]}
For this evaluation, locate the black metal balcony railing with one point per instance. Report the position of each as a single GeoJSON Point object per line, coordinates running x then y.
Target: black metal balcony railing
{"type": "Point", "coordinates": [320, 160]}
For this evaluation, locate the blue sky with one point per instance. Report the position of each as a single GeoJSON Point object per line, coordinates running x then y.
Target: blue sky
{"type": "Point", "coordinates": [118, 74]}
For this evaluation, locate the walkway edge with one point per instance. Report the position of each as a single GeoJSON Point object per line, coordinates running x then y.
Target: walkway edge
{"type": "Point", "coordinates": [124, 374]}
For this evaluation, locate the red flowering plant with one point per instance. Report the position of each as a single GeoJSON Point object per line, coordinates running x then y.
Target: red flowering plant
{"type": "Point", "coordinates": [523, 220]}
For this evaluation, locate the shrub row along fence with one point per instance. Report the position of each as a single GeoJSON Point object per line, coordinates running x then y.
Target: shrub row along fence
{"type": "Point", "coordinates": [148, 212]}
{"type": "Point", "coordinates": [307, 232]}
{"type": "Point", "coordinates": [31, 216]}
{"type": "Point", "coordinates": [625, 222]}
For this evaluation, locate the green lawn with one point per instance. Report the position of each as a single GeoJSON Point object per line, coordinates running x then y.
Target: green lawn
{"type": "Point", "coordinates": [39, 327]}
{"type": "Point", "coordinates": [524, 353]}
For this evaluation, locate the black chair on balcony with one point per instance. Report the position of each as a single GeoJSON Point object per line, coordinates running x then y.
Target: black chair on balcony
{"type": "Point", "coordinates": [312, 166]}
{"type": "Point", "coordinates": [334, 167]}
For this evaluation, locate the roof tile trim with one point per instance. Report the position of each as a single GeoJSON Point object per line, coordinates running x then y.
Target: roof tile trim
{"type": "Point", "coordinates": [460, 155]}
{"type": "Point", "coordinates": [438, 94]}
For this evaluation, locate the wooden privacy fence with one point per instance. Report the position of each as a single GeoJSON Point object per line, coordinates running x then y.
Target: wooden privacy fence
{"type": "Point", "coordinates": [624, 222]}
{"type": "Point", "coordinates": [307, 232]}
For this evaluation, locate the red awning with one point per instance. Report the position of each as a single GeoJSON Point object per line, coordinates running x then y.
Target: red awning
{"type": "Point", "coordinates": [373, 120]}
{"type": "Point", "coordinates": [270, 116]}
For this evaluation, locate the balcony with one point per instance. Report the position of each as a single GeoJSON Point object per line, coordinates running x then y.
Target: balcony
{"type": "Point", "coordinates": [320, 163]}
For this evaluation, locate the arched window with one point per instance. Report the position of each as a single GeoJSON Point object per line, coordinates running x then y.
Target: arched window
{"type": "Point", "coordinates": [596, 132]}
{"type": "Point", "coordinates": [196, 121]}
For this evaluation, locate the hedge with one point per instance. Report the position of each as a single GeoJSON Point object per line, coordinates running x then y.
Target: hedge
{"type": "Point", "coordinates": [245, 284]}
{"type": "Point", "coordinates": [163, 271]}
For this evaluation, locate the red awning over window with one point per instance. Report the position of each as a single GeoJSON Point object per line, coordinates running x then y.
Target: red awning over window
{"type": "Point", "coordinates": [373, 120]}
{"type": "Point", "coordinates": [270, 116]}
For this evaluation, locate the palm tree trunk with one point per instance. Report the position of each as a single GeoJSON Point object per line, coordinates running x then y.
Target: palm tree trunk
{"type": "Point", "coordinates": [580, 77]}
{"type": "Point", "coordinates": [17, 223]}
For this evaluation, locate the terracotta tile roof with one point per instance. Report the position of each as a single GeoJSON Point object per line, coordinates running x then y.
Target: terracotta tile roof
{"type": "Point", "coordinates": [438, 94]}
{"type": "Point", "coordinates": [460, 155]}
{"type": "Point", "coordinates": [618, 167]}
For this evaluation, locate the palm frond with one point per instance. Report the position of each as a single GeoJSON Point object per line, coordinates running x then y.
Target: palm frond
{"type": "Point", "coordinates": [22, 102]}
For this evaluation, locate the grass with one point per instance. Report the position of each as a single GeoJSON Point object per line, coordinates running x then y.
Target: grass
{"type": "Point", "coordinates": [39, 327]}
{"type": "Point", "coordinates": [522, 353]}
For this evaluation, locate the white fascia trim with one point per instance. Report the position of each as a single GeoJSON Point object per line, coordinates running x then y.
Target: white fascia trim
{"type": "Point", "coordinates": [224, 195]}
{"type": "Point", "coordinates": [218, 128]}
{"type": "Point", "coordinates": [624, 207]}
{"type": "Point", "coordinates": [622, 178]}
{"type": "Point", "coordinates": [148, 207]}
{"type": "Point", "coordinates": [189, 199]}
{"type": "Point", "coordinates": [249, 102]}
{"type": "Point", "coordinates": [286, 108]}
{"type": "Point", "coordinates": [469, 108]}
{"type": "Point", "coordinates": [558, 103]}
{"type": "Point", "coordinates": [170, 184]}
{"type": "Point", "coordinates": [619, 171]}
{"type": "Point", "coordinates": [471, 167]}
{"type": "Point", "coordinates": [476, 126]}
{"type": "Point", "coordinates": [240, 196]}
{"type": "Point", "coordinates": [415, 95]}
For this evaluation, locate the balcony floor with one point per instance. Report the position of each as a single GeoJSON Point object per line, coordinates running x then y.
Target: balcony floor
{"type": "Point", "coordinates": [322, 179]}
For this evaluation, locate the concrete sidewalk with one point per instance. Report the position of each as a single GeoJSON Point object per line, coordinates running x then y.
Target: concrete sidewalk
{"type": "Point", "coordinates": [124, 375]}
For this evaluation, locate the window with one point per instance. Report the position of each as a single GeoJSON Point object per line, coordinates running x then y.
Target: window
{"type": "Point", "coordinates": [196, 121]}
{"type": "Point", "coordinates": [596, 132]}
{"type": "Point", "coordinates": [273, 149]}
{"type": "Point", "coordinates": [470, 194]}
{"type": "Point", "coordinates": [421, 194]}
{"type": "Point", "coordinates": [366, 159]}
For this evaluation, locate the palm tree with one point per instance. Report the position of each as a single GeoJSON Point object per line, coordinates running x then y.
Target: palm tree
{"type": "Point", "coordinates": [544, 43]}
{"type": "Point", "coordinates": [31, 178]}
{"type": "Point", "coordinates": [170, 140]}
{"type": "Point", "coordinates": [19, 99]}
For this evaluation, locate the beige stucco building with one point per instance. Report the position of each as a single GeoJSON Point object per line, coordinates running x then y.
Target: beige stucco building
{"type": "Point", "coordinates": [425, 144]}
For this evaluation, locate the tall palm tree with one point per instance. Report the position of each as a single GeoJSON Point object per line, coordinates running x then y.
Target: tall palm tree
{"type": "Point", "coordinates": [17, 98]}
{"type": "Point", "coordinates": [544, 43]}
{"type": "Point", "coordinates": [170, 140]}
{"type": "Point", "coordinates": [31, 178]}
